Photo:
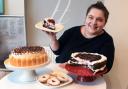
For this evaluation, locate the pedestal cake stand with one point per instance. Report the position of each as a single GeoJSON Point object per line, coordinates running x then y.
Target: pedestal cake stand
{"type": "Point", "coordinates": [23, 74]}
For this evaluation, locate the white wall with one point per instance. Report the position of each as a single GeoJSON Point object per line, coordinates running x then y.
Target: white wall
{"type": "Point", "coordinates": [14, 7]}
{"type": "Point", "coordinates": [118, 27]}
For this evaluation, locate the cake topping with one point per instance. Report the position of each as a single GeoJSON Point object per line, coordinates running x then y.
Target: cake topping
{"type": "Point", "coordinates": [27, 49]}
{"type": "Point", "coordinates": [89, 57]}
{"type": "Point", "coordinates": [94, 61]}
{"type": "Point", "coordinates": [49, 23]}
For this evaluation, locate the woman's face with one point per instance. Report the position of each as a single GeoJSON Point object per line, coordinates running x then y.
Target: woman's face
{"type": "Point", "coordinates": [95, 21]}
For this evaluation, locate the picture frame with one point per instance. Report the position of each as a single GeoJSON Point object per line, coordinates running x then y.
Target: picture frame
{"type": "Point", "coordinates": [1, 7]}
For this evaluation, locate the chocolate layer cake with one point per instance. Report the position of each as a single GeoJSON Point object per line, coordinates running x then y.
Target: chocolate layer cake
{"type": "Point", "coordinates": [94, 61]}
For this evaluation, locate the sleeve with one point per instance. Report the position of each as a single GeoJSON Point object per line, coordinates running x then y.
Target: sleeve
{"type": "Point", "coordinates": [108, 50]}
{"type": "Point", "coordinates": [63, 40]}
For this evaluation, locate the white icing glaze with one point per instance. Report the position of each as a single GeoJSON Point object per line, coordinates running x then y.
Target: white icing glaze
{"type": "Point", "coordinates": [83, 61]}
{"type": "Point", "coordinates": [27, 55]}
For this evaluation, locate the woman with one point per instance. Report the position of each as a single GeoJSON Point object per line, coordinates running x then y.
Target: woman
{"type": "Point", "coordinates": [90, 37]}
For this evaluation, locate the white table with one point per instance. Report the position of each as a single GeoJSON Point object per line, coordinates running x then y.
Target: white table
{"type": "Point", "coordinates": [5, 83]}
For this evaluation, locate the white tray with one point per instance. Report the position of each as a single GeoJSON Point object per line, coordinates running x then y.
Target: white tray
{"type": "Point", "coordinates": [70, 80]}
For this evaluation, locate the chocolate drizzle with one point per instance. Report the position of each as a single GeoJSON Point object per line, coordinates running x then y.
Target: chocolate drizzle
{"type": "Point", "coordinates": [27, 49]}
{"type": "Point", "coordinates": [89, 57]}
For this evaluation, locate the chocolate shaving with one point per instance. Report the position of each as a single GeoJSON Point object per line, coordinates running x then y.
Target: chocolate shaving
{"type": "Point", "coordinates": [90, 57]}
{"type": "Point", "coordinates": [28, 49]}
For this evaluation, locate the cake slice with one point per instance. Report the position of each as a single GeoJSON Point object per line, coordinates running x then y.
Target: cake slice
{"type": "Point", "coordinates": [49, 23]}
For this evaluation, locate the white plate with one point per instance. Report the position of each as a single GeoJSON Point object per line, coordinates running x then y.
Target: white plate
{"type": "Point", "coordinates": [62, 84]}
{"type": "Point", "coordinates": [58, 27]}
{"type": "Point", "coordinates": [11, 67]}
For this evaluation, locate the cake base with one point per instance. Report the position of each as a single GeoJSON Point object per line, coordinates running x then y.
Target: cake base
{"type": "Point", "coordinates": [11, 67]}
{"type": "Point", "coordinates": [23, 74]}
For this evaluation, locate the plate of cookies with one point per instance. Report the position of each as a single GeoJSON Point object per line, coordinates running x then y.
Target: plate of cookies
{"type": "Point", "coordinates": [54, 79]}
{"type": "Point", "coordinates": [49, 25]}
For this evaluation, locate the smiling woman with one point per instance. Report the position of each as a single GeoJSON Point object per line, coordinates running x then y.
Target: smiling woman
{"type": "Point", "coordinates": [89, 37]}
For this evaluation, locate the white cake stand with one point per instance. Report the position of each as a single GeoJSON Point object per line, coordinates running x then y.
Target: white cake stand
{"type": "Point", "coordinates": [23, 74]}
